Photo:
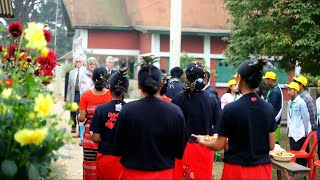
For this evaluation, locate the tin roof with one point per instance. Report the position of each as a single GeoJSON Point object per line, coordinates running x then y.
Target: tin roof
{"type": "Point", "coordinates": [204, 16]}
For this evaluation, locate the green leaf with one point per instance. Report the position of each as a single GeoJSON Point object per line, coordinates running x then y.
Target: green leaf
{"type": "Point", "coordinates": [9, 168]}
{"type": "Point", "coordinates": [44, 171]}
{"type": "Point", "coordinates": [33, 172]}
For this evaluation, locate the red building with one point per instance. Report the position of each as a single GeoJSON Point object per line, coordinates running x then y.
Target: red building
{"type": "Point", "coordinates": [128, 29]}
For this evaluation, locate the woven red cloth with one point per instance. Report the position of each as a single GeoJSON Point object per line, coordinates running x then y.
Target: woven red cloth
{"type": "Point", "coordinates": [146, 175]}
{"type": "Point", "coordinates": [233, 171]}
{"type": "Point", "coordinates": [108, 167]}
{"type": "Point", "coordinates": [197, 163]}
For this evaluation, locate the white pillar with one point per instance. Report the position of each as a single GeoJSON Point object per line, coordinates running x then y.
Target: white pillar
{"type": "Point", "coordinates": [175, 33]}
{"type": "Point", "coordinates": [207, 49]}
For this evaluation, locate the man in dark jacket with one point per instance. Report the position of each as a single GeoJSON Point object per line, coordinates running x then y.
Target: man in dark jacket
{"type": "Point", "coordinates": [175, 84]}
{"type": "Point", "coordinates": [274, 97]}
{"type": "Point", "coordinates": [209, 88]}
{"type": "Point", "coordinates": [66, 79]}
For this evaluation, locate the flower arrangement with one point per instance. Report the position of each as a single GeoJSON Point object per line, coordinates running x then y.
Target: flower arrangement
{"type": "Point", "coordinates": [29, 131]}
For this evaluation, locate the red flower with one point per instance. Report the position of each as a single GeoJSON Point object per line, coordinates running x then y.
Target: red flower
{"type": "Point", "coordinates": [49, 75]}
{"type": "Point", "coordinates": [47, 35]}
{"type": "Point", "coordinates": [15, 29]}
{"type": "Point", "coordinates": [48, 63]}
{"type": "Point", "coordinates": [8, 81]}
{"type": "Point", "coordinates": [1, 48]}
{"type": "Point", "coordinates": [11, 51]}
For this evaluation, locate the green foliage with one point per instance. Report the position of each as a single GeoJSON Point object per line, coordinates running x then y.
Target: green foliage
{"type": "Point", "coordinates": [185, 59]}
{"type": "Point", "coordinates": [44, 11]}
{"type": "Point", "coordinates": [29, 133]}
{"type": "Point", "coordinates": [312, 80]}
{"type": "Point", "coordinates": [288, 30]}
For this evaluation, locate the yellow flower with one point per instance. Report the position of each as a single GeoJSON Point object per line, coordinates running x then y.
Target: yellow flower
{"type": "Point", "coordinates": [27, 136]}
{"type": "Point", "coordinates": [3, 108]}
{"type": "Point", "coordinates": [35, 36]}
{"type": "Point", "coordinates": [43, 105]}
{"type": "Point", "coordinates": [6, 93]}
{"type": "Point", "coordinates": [31, 116]}
{"type": "Point", "coordinates": [44, 52]}
{"type": "Point", "coordinates": [74, 107]}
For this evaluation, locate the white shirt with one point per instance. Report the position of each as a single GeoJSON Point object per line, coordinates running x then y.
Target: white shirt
{"type": "Point", "coordinates": [228, 98]}
{"type": "Point", "coordinates": [298, 119]}
{"type": "Point", "coordinates": [82, 69]}
{"type": "Point", "coordinates": [318, 110]}
{"type": "Point", "coordinates": [86, 82]}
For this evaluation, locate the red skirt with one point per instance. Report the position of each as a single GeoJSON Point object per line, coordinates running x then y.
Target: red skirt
{"type": "Point", "coordinates": [233, 171]}
{"type": "Point", "coordinates": [108, 167]}
{"type": "Point", "coordinates": [146, 175]}
{"type": "Point", "coordinates": [197, 163]}
{"type": "Point", "coordinates": [89, 156]}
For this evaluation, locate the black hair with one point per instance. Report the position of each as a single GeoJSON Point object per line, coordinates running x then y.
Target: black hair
{"type": "Point", "coordinates": [119, 83]}
{"type": "Point", "coordinates": [252, 72]}
{"type": "Point", "coordinates": [176, 72]}
{"type": "Point", "coordinates": [195, 74]}
{"type": "Point", "coordinates": [99, 78]}
{"type": "Point", "coordinates": [149, 78]}
{"type": "Point", "coordinates": [163, 71]}
{"type": "Point", "coordinates": [207, 75]}
{"type": "Point", "coordinates": [165, 82]}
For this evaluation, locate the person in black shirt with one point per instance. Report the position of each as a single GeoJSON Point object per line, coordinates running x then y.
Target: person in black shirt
{"type": "Point", "coordinates": [201, 111]}
{"type": "Point", "coordinates": [176, 85]}
{"type": "Point", "coordinates": [208, 88]}
{"type": "Point", "coordinates": [149, 133]}
{"type": "Point", "coordinates": [248, 127]}
{"type": "Point", "coordinates": [104, 118]}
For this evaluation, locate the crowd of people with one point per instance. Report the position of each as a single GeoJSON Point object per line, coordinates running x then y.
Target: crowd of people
{"type": "Point", "coordinates": [163, 134]}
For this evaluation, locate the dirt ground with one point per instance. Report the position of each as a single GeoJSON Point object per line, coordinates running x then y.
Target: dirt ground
{"type": "Point", "coordinates": [69, 165]}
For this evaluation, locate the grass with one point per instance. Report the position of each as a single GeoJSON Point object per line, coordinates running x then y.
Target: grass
{"type": "Point", "coordinates": [284, 143]}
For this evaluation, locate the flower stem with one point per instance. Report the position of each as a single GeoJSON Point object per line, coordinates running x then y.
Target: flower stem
{"type": "Point", "coordinates": [18, 54]}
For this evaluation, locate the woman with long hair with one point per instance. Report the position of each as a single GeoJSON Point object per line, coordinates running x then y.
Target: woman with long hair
{"type": "Point", "coordinates": [248, 127]}
{"type": "Point", "coordinates": [231, 95]}
{"type": "Point", "coordinates": [149, 133]}
{"type": "Point", "coordinates": [104, 118]}
{"type": "Point", "coordinates": [88, 102]}
{"type": "Point", "coordinates": [202, 112]}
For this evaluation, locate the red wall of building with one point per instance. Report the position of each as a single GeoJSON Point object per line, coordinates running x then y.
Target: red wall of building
{"type": "Point", "coordinates": [113, 39]}
{"type": "Point", "coordinates": [213, 66]}
{"type": "Point", "coordinates": [192, 44]}
{"type": "Point", "coordinates": [145, 43]}
{"type": "Point", "coordinates": [164, 43]}
{"type": "Point", "coordinates": [189, 44]}
{"type": "Point", "coordinates": [163, 64]}
{"type": "Point", "coordinates": [217, 45]}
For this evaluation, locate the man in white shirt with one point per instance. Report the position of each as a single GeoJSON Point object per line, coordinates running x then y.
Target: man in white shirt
{"type": "Point", "coordinates": [298, 120]}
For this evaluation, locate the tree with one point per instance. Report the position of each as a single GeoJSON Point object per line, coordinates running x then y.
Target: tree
{"type": "Point", "coordinates": [44, 11]}
{"type": "Point", "coordinates": [288, 30]}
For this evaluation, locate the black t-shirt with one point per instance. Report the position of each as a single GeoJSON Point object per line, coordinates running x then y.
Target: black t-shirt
{"type": "Point", "coordinates": [149, 134]}
{"type": "Point", "coordinates": [247, 123]}
{"type": "Point", "coordinates": [174, 89]}
{"type": "Point", "coordinates": [201, 110]}
{"type": "Point", "coordinates": [103, 121]}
